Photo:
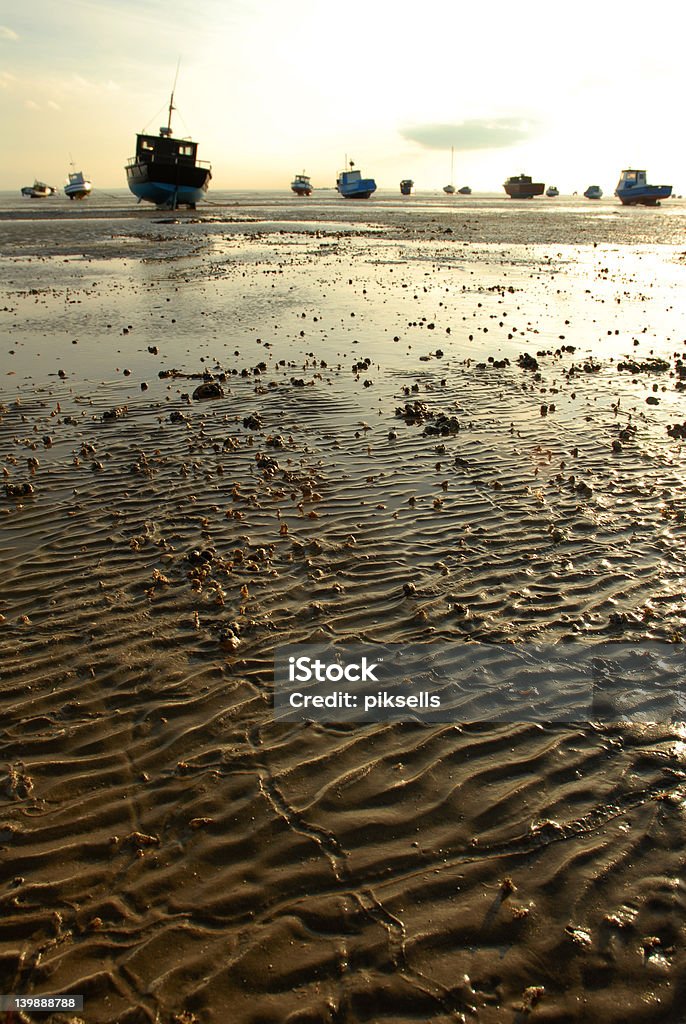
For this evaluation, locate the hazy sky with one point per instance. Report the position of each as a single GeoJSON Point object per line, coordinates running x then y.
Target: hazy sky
{"type": "Point", "coordinates": [569, 93]}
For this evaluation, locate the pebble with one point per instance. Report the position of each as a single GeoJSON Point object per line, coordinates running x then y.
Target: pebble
{"type": "Point", "coordinates": [208, 389]}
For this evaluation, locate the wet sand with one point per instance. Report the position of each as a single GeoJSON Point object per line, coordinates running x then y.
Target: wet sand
{"type": "Point", "coordinates": [169, 850]}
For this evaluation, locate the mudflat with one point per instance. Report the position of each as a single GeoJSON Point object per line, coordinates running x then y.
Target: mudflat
{"type": "Point", "coordinates": [269, 423]}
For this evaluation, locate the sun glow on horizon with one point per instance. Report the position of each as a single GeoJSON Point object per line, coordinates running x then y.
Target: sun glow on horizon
{"type": "Point", "coordinates": [569, 101]}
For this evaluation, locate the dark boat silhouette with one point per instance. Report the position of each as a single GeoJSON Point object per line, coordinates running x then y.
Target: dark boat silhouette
{"type": "Point", "coordinates": [166, 171]}
{"type": "Point", "coordinates": [522, 187]}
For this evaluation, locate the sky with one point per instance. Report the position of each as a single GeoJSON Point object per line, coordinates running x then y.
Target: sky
{"type": "Point", "coordinates": [569, 94]}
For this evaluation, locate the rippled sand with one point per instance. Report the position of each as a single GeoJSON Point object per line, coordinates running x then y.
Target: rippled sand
{"type": "Point", "coordinates": [171, 852]}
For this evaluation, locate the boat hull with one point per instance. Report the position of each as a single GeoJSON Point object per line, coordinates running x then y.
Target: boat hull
{"type": "Point", "coordinates": [38, 191]}
{"type": "Point", "coordinates": [168, 185]}
{"type": "Point", "coordinates": [78, 191]}
{"type": "Point", "coordinates": [645, 195]}
{"type": "Point", "coordinates": [524, 190]}
{"type": "Point", "coordinates": [300, 191]}
{"type": "Point", "coordinates": [362, 190]}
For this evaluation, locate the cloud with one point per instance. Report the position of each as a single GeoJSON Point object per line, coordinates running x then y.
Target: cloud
{"type": "Point", "coordinates": [489, 133]}
{"type": "Point", "coordinates": [79, 83]}
{"type": "Point", "coordinates": [31, 105]}
{"type": "Point", "coordinates": [7, 33]}
{"type": "Point", "coordinates": [6, 80]}
{"type": "Point", "coordinates": [53, 105]}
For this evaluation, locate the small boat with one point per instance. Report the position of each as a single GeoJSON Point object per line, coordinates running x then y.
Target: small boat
{"type": "Point", "coordinates": [464, 191]}
{"type": "Point", "coordinates": [593, 192]}
{"type": "Point", "coordinates": [352, 185]}
{"type": "Point", "coordinates": [39, 190]}
{"type": "Point", "coordinates": [633, 190]}
{"type": "Point", "coordinates": [552, 191]}
{"type": "Point", "coordinates": [450, 189]}
{"type": "Point", "coordinates": [301, 185]}
{"type": "Point", "coordinates": [78, 186]}
{"type": "Point", "coordinates": [166, 171]}
{"type": "Point", "coordinates": [406, 187]}
{"type": "Point", "coordinates": [522, 187]}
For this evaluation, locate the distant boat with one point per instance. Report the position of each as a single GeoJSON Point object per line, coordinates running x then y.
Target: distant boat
{"type": "Point", "coordinates": [464, 191]}
{"type": "Point", "coordinates": [407, 186]}
{"type": "Point", "coordinates": [352, 185]}
{"type": "Point", "coordinates": [633, 190]}
{"type": "Point", "coordinates": [78, 186]}
{"type": "Point", "coordinates": [301, 185]}
{"type": "Point", "coordinates": [39, 190]}
{"type": "Point", "coordinates": [522, 187]}
{"type": "Point", "coordinates": [165, 170]}
{"type": "Point", "coordinates": [450, 189]}
{"type": "Point", "coordinates": [552, 191]}
{"type": "Point", "coordinates": [593, 192]}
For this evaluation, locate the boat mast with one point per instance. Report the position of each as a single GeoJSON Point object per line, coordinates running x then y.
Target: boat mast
{"type": "Point", "coordinates": [171, 101]}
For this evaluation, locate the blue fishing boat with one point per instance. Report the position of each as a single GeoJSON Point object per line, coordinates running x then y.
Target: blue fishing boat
{"type": "Point", "coordinates": [406, 187]}
{"type": "Point", "coordinates": [301, 185]}
{"type": "Point", "coordinates": [352, 185]}
{"type": "Point", "coordinates": [166, 171]}
{"type": "Point", "coordinates": [633, 190]}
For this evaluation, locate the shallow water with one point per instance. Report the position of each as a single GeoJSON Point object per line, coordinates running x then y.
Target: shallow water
{"type": "Point", "coordinates": [489, 872]}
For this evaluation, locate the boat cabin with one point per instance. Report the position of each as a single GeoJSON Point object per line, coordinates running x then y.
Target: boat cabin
{"type": "Point", "coordinates": [163, 148]}
{"type": "Point", "coordinates": [632, 179]}
{"type": "Point", "coordinates": [349, 177]}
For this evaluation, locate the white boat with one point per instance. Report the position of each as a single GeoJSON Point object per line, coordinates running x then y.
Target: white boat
{"type": "Point", "coordinates": [39, 190]}
{"type": "Point", "coordinates": [78, 186]}
{"type": "Point", "coordinates": [450, 189]}
{"type": "Point", "coordinates": [552, 191]}
{"type": "Point", "coordinates": [593, 192]}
